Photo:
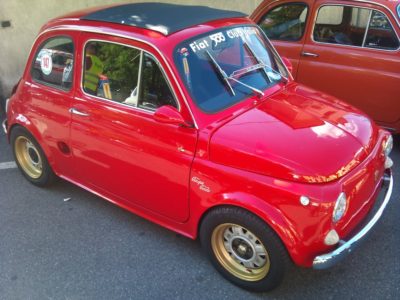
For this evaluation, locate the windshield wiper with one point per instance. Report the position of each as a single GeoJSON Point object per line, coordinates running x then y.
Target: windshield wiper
{"type": "Point", "coordinates": [259, 61]}
{"type": "Point", "coordinates": [221, 72]}
{"type": "Point", "coordinates": [265, 66]}
{"type": "Point", "coordinates": [248, 86]}
{"type": "Point", "coordinates": [248, 69]}
{"type": "Point", "coordinates": [226, 78]}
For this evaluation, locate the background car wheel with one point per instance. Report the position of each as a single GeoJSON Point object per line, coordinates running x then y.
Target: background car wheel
{"type": "Point", "coordinates": [30, 158]}
{"type": "Point", "coordinates": [2, 106]}
{"type": "Point", "coordinates": [244, 249]}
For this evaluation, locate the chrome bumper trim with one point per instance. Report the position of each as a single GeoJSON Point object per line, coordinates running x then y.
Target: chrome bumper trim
{"type": "Point", "coordinates": [328, 260]}
{"type": "Point", "coordinates": [4, 125]}
{"type": "Point", "coordinates": [6, 105]}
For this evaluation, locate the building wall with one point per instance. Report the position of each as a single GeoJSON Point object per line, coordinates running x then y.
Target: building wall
{"type": "Point", "coordinates": [27, 16]}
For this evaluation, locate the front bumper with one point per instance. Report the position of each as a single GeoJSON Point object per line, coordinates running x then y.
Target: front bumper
{"type": "Point", "coordinates": [328, 260]}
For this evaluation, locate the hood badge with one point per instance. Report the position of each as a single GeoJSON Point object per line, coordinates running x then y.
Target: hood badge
{"type": "Point", "coordinates": [201, 184]}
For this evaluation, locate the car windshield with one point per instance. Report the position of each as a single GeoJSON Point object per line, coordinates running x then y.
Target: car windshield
{"type": "Point", "coordinates": [226, 66]}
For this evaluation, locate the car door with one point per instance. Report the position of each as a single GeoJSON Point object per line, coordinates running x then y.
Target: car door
{"type": "Point", "coordinates": [119, 149]}
{"type": "Point", "coordinates": [352, 52]}
{"type": "Point", "coordinates": [49, 90]}
{"type": "Point", "coordinates": [285, 24]}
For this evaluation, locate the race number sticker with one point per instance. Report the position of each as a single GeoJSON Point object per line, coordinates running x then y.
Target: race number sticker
{"type": "Point", "coordinates": [46, 64]}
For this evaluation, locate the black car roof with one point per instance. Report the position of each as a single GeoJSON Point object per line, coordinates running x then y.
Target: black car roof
{"type": "Point", "coordinates": [161, 17]}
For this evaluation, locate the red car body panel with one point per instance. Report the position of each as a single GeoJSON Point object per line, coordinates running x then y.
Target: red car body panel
{"type": "Point", "coordinates": [174, 175]}
{"type": "Point", "coordinates": [364, 77]}
{"type": "Point", "coordinates": [309, 126]}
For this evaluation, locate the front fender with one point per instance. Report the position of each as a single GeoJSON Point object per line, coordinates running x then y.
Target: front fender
{"type": "Point", "coordinates": [213, 185]}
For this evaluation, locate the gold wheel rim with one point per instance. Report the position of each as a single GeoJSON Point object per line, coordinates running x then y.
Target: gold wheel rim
{"type": "Point", "coordinates": [28, 157]}
{"type": "Point", "coordinates": [240, 252]}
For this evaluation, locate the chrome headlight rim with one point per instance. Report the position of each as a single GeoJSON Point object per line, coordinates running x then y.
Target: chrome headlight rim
{"type": "Point", "coordinates": [6, 105]}
{"type": "Point", "coordinates": [388, 145]}
{"type": "Point", "coordinates": [340, 207]}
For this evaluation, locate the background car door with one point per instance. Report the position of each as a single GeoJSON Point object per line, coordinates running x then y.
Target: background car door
{"type": "Point", "coordinates": [120, 150]}
{"type": "Point", "coordinates": [285, 24]}
{"type": "Point", "coordinates": [352, 52]}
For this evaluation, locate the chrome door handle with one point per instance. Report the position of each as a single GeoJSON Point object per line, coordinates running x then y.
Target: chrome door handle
{"type": "Point", "coordinates": [309, 54]}
{"type": "Point", "coordinates": [79, 113]}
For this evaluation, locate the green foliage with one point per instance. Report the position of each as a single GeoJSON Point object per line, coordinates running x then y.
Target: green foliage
{"type": "Point", "coordinates": [121, 65]}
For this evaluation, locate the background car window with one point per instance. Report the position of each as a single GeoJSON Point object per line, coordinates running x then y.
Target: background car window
{"type": "Point", "coordinates": [53, 64]}
{"type": "Point", "coordinates": [154, 89]}
{"type": "Point", "coordinates": [343, 25]}
{"type": "Point", "coordinates": [380, 33]}
{"type": "Point", "coordinates": [111, 70]}
{"type": "Point", "coordinates": [285, 22]}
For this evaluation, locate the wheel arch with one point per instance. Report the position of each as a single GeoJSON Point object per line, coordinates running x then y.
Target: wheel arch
{"type": "Point", "coordinates": [264, 211]}
{"type": "Point", "coordinates": [23, 122]}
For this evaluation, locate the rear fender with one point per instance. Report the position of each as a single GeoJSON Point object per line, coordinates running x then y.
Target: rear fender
{"type": "Point", "coordinates": [23, 121]}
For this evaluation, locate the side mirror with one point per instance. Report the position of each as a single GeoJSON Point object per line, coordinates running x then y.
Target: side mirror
{"type": "Point", "coordinates": [169, 115]}
{"type": "Point", "coordinates": [288, 64]}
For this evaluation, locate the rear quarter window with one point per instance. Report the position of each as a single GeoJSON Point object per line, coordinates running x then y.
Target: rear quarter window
{"type": "Point", "coordinates": [53, 63]}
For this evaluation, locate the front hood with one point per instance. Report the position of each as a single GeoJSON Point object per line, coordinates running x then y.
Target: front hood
{"type": "Point", "coordinates": [298, 134]}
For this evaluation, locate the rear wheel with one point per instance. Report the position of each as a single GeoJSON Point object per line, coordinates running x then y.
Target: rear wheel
{"type": "Point", "coordinates": [30, 158]}
{"type": "Point", "coordinates": [244, 249]}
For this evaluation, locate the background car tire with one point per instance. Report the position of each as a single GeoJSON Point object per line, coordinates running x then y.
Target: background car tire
{"type": "Point", "coordinates": [234, 230]}
{"type": "Point", "coordinates": [2, 106]}
{"type": "Point", "coordinates": [30, 158]}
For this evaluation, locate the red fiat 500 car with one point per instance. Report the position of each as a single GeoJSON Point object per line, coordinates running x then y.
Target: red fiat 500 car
{"type": "Point", "coordinates": [188, 117]}
{"type": "Point", "coordinates": [349, 49]}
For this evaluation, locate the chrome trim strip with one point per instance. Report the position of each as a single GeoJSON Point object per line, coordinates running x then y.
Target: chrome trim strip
{"type": "Point", "coordinates": [139, 80]}
{"type": "Point", "coordinates": [6, 105]}
{"type": "Point", "coordinates": [351, 46]}
{"type": "Point", "coordinates": [4, 125]}
{"type": "Point", "coordinates": [391, 129]}
{"type": "Point", "coordinates": [328, 260]}
{"type": "Point", "coordinates": [367, 29]}
{"type": "Point", "coordinates": [99, 31]}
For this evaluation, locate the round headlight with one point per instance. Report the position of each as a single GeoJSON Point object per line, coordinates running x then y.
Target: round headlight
{"type": "Point", "coordinates": [340, 207]}
{"type": "Point", "coordinates": [388, 146]}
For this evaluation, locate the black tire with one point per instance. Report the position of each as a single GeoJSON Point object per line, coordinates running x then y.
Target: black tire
{"type": "Point", "coordinates": [30, 158]}
{"type": "Point", "coordinates": [266, 271]}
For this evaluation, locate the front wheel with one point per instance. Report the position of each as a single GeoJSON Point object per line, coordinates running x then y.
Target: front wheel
{"type": "Point", "coordinates": [244, 249]}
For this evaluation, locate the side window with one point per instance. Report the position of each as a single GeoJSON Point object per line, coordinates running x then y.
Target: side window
{"type": "Point", "coordinates": [125, 75]}
{"type": "Point", "coordinates": [154, 89]}
{"type": "Point", "coordinates": [344, 25]}
{"type": "Point", "coordinates": [380, 33]}
{"type": "Point", "coordinates": [111, 71]}
{"type": "Point", "coordinates": [53, 64]}
{"type": "Point", "coordinates": [285, 22]}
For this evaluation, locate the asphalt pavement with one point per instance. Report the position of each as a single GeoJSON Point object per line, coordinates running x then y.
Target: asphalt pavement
{"type": "Point", "coordinates": [65, 243]}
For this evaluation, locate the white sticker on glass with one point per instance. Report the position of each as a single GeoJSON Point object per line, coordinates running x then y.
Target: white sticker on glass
{"type": "Point", "coordinates": [46, 64]}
